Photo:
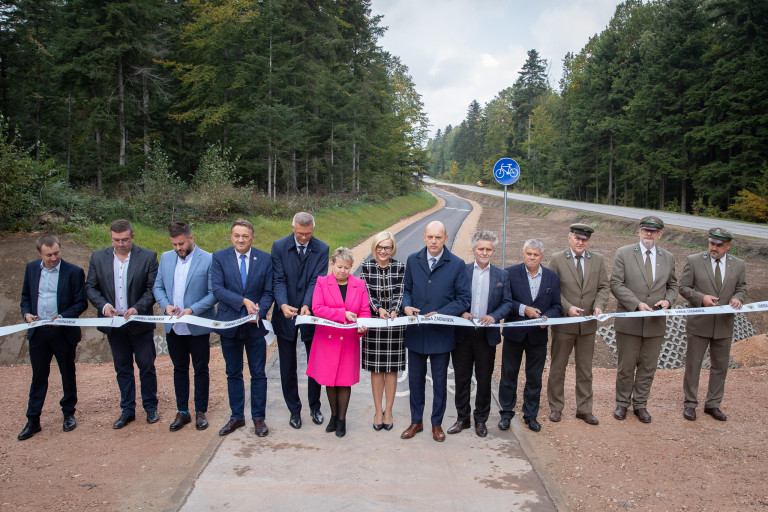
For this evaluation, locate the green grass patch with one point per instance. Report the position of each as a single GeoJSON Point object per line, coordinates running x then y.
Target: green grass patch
{"type": "Point", "coordinates": [335, 226]}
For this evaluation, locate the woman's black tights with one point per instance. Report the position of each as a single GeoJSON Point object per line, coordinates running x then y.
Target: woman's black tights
{"type": "Point", "coordinates": [338, 398]}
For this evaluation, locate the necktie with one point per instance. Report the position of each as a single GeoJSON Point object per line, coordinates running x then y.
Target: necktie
{"type": "Point", "coordinates": [579, 270]}
{"type": "Point", "coordinates": [302, 252]}
{"type": "Point", "coordinates": [432, 262]}
{"type": "Point", "coordinates": [243, 270]}
{"type": "Point", "coordinates": [648, 266]}
{"type": "Point", "coordinates": [718, 276]}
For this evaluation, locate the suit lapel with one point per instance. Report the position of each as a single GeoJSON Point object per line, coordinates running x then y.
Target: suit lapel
{"type": "Point", "coordinates": [192, 266]}
{"type": "Point", "coordinates": [234, 268]}
{"type": "Point", "coordinates": [132, 264]}
{"type": "Point", "coordinates": [60, 285]}
{"type": "Point", "coordinates": [34, 287]}
{"type": "Point", "coordinates": [109, 285]}
{"type": "Point", "coordinates": [587, 269]}
{"type": "Point", "coordinates": [641, 265]}
{"type": "Point", "coordinates": [252, 260]}
{"type": "Point", "coordinates": [570, 263]}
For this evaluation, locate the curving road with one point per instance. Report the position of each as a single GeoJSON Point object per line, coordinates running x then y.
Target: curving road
{"type": "Point", "coordinates": [677, 219]}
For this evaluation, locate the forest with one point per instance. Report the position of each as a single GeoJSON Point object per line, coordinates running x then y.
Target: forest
{"type": "Point", "coordinates": [667, 108]}
{"type": "Point", "coordinates": [275, 96]}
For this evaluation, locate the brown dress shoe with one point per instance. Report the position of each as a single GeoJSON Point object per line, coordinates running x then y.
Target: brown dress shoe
{"type": "Point", "coordinates": [642, 415]}
{"type": "Point", "coordinates": [459, 426]}
{"type": "Point", "coordinates": [231, 426]}
{"type": "Point", "coordinates": [261, 427]}
{"type": "Point", "coordinates": [480, 429]}
{"type": "Point", "coordinates": [689, 413]}
{"type": "Point", "coordinates": [412, 430]}
{"type": "Point", "coordinates": [201, 423]}
{"type": "Point", "coordinates": [716, 413]}
{"type": "Point", "coordinates": [437, 433]}
{"type": "Point", "coordinates": [182, 418]}
{"type": "Point", "coordinates": [555, 416]}
{"type": "Point", "coordinates": [587, 417]}
{"type": "Point", "coordinates": [620, 413]}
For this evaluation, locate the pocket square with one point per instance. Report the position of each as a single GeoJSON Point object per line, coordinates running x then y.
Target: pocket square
{"type": "Point", "coordinates": [499, 285]}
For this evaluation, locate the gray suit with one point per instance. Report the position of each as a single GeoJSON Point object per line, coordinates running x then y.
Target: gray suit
{"type": "Point", "coordinates": [713, 331]}
{"type": "Point", "coordinates": [639, 340]}
{"type": "Point", "coordinates": [592, 294]}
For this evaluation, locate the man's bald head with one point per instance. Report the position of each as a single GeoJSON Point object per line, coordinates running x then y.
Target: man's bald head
{"type": "Point", "coordinates": [435, 237]}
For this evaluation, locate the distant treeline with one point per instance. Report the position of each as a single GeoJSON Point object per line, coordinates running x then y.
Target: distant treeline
{"type": "Point", "coordinates": [295, 92]}
{"type": "Point", "coordinates": [666, 108]}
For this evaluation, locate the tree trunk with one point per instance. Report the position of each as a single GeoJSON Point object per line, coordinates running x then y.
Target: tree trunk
{"type": "Point", "coordinates": [121, 109]}
{"type": "Point", "coordinates": [291, 188]}
{"type": "Point", "coordinates": [269, 174]}
{"type": "Point", "coordinates": [597, 168]}
{"type": "Point", "coordinates": [145, 116]}
{"type": "Point", "coordinates": [330, 167]}
{"type": "Point", "coordinates": [69, 137]}
{"type": "Point", "coordinates": [661, 191]}
{"type": "Point", "coordinates": [609, 198]}
{"type": "Point", "coordinates": [98, 160]}
{"type": "Point", "coordinates": [684, 193]}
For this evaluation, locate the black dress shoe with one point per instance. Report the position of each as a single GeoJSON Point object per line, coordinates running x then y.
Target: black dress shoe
{"type": "Point", "coordinates": [459, 426]}
{"type": "Point", "coordinates": [587, 417]}
{"type": "Point", "coordinates": [504, 423]}
{"type": "Point", "coordinates": [317, 417]}
{"type": "Point", "coordinates": [69, 423]}
{"type": "Point", "coordinates": [341, 428]}
{"type": "Point", "coordinates": [620, 413]}
{"type": "Point", "coordinates": [231, 426]}
{"type": "Point", "coordinates": [387, 426]}
{"type": "Point", "coordinates": [261, 427]}
{"type": "Point", "coordinates": [377, 426]}
{"type": "Point", "coordinates": [30, 429]}
{"type": "Point", "coordinates": [533, 424]}
{"type": "Point", "coordinates": [295, 421]}
{"type": "Point", "coordinates": [201, 422]}
{"type": "Point", "coordinates": [152, 417]}
{"type": "Point", "coordinates": [689, 413]}
{"type": "Point", "coordinates": [123, 420]}
{"type": "Point", "coordinates": [331, 427]}
{"type": "Point", "coordinates": [716, 413]}
{"type": "Point", "coordinates": [182, 418]}
{"type": "Point", "coordinates": [643, 415]}
{"type": "Point", "coordinates": [480, 429]}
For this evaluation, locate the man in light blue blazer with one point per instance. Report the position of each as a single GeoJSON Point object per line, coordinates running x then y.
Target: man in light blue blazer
{"type": "Point", "coordinates": [241, 276]}
{"type": "Point", "coordinates": [183, 287]}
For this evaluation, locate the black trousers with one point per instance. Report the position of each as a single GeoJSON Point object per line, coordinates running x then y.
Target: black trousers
{"type": "Point", "coordinates": [511, 358]}
{"type": "Point", "coordinates": [181, 348]}
{"type": "Point", "coordinates": [286, 350]}
{"type": "Point", "coordinates": [46, 343]}
{"type": "Point", "coordinates": [473, 352]}
{"type": "Point", "coordinates": [125, 347]}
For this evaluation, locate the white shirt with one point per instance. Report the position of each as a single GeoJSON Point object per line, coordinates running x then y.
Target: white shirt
{"type": "Point", "coordinates": [480, 280]}
{"type": "Point", "coordinates": [247, 260]}
{"type": "Point", "coordinates": [430, 263]}
{"type": "Point", "coordinates": [534, 283]}
{"type": "Point", "coordinates": [179, 285]}
{"type": "Point", "coordinates": [120, 269]}
{"type": "Point", "coordinates": [46, 292]}
{"type": "Point", "coordinates": [653, 258]}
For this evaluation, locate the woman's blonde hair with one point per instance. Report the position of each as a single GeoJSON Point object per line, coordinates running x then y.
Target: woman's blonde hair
{"type": "Point", "coordinates": [384, 235]}
{"type": "Point", "coordinates": [344, 254]}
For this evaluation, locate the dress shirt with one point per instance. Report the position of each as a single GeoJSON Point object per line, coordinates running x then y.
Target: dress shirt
{"type": "Point", "coordinates": [653, 258]}
{"type": "Point", "coordinates": [480, 277]}
{"type": "Point", "coordinates": [534, 283]}
{"type": "Point", "coordinates": [437, 259]}
{"type": "Point", "coordinates": [47, 290]}
{"type": "Point", "coordinates": [179, 285]}
{"type": "Point", "coordinates": [247, 260]}
{"type": "Point", "coordinates": [120, 269]}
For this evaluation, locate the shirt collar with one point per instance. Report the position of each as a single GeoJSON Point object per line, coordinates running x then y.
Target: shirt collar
{"type": "Point", "coordinates": [481, 269]}
{"type": "Point", "coordinates": [643, 248]}
{"type": "Point", "coordinates": [189, 256]}
{"type": "Point", "coordinates": [537, 274]}
{"type": "Point", "coordinates": [56, 268]}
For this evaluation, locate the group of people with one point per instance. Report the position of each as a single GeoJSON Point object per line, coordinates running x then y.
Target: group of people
{"type": "Point", "coordinates": [241, 280]}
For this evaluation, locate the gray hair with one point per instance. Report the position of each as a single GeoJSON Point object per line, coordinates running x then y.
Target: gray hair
{"type": "Point", "coordinates": [534, 243]}
{"type": "Point", "coordinates": [342, 253]}
{"type": "Point", "coordinates": [485, 235]}
{"type": "Point", "coordinates": [303, 219]}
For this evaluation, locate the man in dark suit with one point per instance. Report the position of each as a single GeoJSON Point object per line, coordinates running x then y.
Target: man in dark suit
{"type": "Point", "coordinates": [52, 289]}
{"type": "Point", "coordinates": [120, 280]}
{"type": "Point", "coordinates": [535, 294]}
{"type": "Point", "coordinates": [709, 279]}
{"type": "Point", "coordinates": [491, 302]}
{"type": "Point", "coordinates": [241, 278]}
{"type": "Point", "coordinates": [183, 287]}
{"type": "Point", "coordinates": [436, 282]}
{"type": "Point", "coordinates": [297, 260]}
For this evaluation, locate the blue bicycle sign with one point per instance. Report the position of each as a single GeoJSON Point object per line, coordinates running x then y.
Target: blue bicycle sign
{"type": "Point", "coordinates": [506, 171]}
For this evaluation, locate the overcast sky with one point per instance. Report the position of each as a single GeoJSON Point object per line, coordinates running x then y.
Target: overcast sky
{"type": "Point", "coordinates": [460, 50]}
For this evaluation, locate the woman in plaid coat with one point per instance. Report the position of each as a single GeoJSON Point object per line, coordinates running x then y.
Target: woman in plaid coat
{"type": "Point", "coordinates": [383, 349]}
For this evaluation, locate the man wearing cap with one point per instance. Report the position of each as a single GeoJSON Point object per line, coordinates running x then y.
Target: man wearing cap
{"type": "Point", "coordinates": [642, 279]}
{"type": "Point", "coordinates": [710, 278]}
{"type": "Point", "coordinates": [584, 290]}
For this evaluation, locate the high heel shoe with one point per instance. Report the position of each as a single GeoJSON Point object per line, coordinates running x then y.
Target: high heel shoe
{"type": "Point", "coordinates": [377, 426]}
{"type": "Point", "coordinates": [341, 428]}
{"type": "Point", "coordinates": [331, 427]}
{"type": "Point", "coordinates": [387, 426]}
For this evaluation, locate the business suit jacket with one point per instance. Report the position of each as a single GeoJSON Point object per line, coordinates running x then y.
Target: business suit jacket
{"type": "Point", "coordinates": [594, 293]}
{"type": "Point", "coordinates": [198, 290]}
{"type": "Point", "coordinates": [294, 280]}
{"type": "Point", "coordinates": [499, 303]}
{"type": "Point", "coordinates": [228, 288]}
{"type": "Point", "coordinates": [335, 356]}
{"type": "Point", "coordinates": [631, 287]}
{"type": "Point", "coordinates": [70, 295]}
{"type": "Point", "coordinates": [446, 289]}
{"type": "Point", "coordinates": [698, 280]}
{"type": "Point", "coordinates": [100, 284]}
{"type": "Point", "coordinates": [547, 301]}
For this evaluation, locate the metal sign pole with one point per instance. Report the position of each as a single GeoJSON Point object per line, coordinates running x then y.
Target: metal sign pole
{"type": "Point", "coordinates": [504, 232]}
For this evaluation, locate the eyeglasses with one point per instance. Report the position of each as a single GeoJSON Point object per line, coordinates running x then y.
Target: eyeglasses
{"type": "Point", "coordinates": [381, 248]}
{"type": "Point", "coordinates": [121, 241]}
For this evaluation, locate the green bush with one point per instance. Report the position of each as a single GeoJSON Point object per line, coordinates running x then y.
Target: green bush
{"type": "Point", "coordinates": [215, 195]}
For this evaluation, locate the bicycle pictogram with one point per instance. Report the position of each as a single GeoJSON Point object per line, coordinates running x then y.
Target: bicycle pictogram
{"type": "Point", "coordinates": [506, 169]}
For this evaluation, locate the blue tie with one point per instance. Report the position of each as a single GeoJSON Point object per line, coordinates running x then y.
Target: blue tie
{"type": "Point", "coordinates": [243, 270]}
{"type": "Point", "coordinates": [432, 262]}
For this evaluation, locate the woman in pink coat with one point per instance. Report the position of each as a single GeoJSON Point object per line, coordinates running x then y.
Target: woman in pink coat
{"type": "Point", "coordinates": [334, 360]}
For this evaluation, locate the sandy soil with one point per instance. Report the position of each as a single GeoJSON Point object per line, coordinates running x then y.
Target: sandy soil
{"type": "Point", "coordinates": [671, 464]}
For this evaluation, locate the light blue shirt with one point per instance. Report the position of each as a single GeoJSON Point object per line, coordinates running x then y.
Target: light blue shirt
{"type": "Point", "coordinates": [534, 283]}
{"type": "Point", "coordinates": [46, 292]}
{"type": "Point", "coordinates": [179, 285]}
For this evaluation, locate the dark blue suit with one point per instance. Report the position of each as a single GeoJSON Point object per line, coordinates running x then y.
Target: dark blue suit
{"type": "Point", "coordinates": [229, 291]}
{"type": "Point", "coordinates": [295, 279]}
{"type": "Point", "coordinates": [49, 341]}
{"type": "Point", "coordinates": [445, 290]}
{"type": "Point", "coordinates": [476, 347]}
{"type": "Point", "coordinates": [529, 340]}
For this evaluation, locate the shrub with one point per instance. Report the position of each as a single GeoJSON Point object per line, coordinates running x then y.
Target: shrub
{"type": "Point", "coordinates": [215, 194]}
{"type": "Point", "coordinates": [750, 207]}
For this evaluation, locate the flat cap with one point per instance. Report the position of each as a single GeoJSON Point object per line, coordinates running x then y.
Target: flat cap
{"type": "Point", "coordinates": [652, 223]}
{"type": "Point", "coordinates": [582, 231]}
{"type": "Point", "coordinates": [719, 236]}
